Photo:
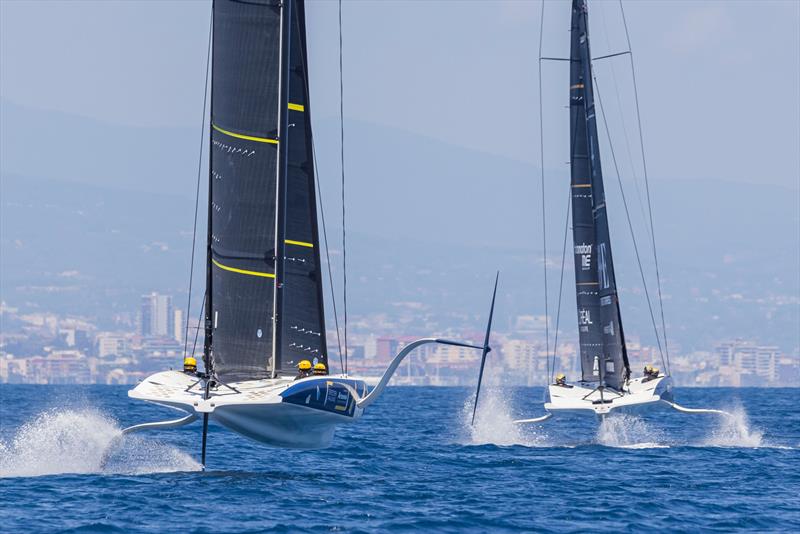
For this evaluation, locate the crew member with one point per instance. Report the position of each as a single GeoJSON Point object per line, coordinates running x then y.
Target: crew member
{"type": "Point", "coordinates": [189, 365]}
{"type": "Point", "coordinates": [650, 373]}
{"type": "Point", "coordinates": [303, 369]}
{"type": "Point", "coordinates": [561, 380]}
{"type": "Point", "coordinates": [320, 369]}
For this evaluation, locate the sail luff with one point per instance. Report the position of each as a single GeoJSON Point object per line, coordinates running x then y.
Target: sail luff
{"type": "Point", "coordinates": [280, 185]}
{"type": "Point", "coordinates": [600, 323]}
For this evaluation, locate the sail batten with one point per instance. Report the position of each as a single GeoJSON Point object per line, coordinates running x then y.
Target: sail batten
{"type": "Point", "coordinates": [602, 345]}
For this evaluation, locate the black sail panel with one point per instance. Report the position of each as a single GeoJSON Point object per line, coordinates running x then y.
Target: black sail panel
{"type": "Point", "coordinates": [303, 314]}
{"type": "Point", "coordinates": [244, 116]}
{"type": "Point", "coordinates": [602, 344]}
{"type": "Point", "coordinates": [583, 233]}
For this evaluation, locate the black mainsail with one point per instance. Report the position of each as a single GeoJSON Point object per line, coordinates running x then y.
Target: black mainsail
{"type": "Point", "coordinates": [264, 306]}
{"type": "Point", "coordinates": [602, 344]}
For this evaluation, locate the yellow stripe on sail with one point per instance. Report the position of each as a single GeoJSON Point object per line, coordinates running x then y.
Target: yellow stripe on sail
{"type": "Point", "coordinates": [297, 107]}
{"type": "Point", "coordinates": [248, 137]}
{"type": "Point", "coordinates": [298, 243]}
{"type": "Point", "coordinates": [587, 284]}
{"type": "Point", "coordinates": [582, 185]}
{"type": "Point", "coordinates": [242, 271]}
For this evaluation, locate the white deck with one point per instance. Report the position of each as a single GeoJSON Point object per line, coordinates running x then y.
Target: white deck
{"type": "Point", "coordinates": [584, 398]}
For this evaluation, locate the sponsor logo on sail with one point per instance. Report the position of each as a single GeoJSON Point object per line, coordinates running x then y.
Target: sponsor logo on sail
{"type": "Point", "coordinates": [584, 318]}
{"type": "Point", "coordinates": [585, 252]}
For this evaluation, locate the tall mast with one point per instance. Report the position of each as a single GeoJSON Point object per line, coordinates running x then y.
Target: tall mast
{"type": "Point", "coordinates": [280, 185]}
{"type": "Point", "coordinates": [208, 307]}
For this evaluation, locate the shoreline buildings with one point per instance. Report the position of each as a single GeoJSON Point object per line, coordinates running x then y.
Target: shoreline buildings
{"type": "Point", "coordinates": [44, 348]}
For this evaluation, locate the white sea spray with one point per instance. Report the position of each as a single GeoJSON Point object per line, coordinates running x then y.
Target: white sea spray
{"type": "Point", "coordinates": [628, 431]}
{"type": "Point", "coordinates": [61, 441]}
{"type": "Point", "coordinates": [494, 423]}
{"type": "Point", "coordinates": [734, 430]}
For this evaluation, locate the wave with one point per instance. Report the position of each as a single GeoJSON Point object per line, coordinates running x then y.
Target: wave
{"type": "Point", "coordinates": [65, 441]}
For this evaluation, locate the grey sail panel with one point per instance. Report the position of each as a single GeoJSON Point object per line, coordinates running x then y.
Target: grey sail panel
{"type": "Point", "coordinates": [243, 176]}
{"type": "Point", "coordinates": [303, 313]}
{"type": "Point", "coordinates": [602, 344]}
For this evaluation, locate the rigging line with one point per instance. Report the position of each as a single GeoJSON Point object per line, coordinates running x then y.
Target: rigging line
{"type": "Point", "coordinates": [611, 55]}
{"type": "Point", "coordinates": [327, 256]}
{"type": "Point", "coordinates": [561, 282]}
{"type": "Point", "coordinates": [647, 187]}
{"type": "Point", "coordinates": [574, 130]}
{"type": "Point", "coordinates": [622, 121]}
{"type": "Point", "coordinates": [344, 232]}
{"type": "Point", "coordinates": [544, 203]}
{"type": "Point", "coordinates": [197, 194]}
{"type": "Point", "coordinates": [630, 224]}
{"type": "Point", "coordinates": [321, 205]}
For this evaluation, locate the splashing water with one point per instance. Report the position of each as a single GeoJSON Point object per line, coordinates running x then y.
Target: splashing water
{"type": "Point", "coordinates": [735, 431]}
{"type": "Point", "coordinates": [628, 431]}
{"type": "Point", "coordinates": [494, 424]}
{"type": "Point", "coordinates": [75, 441]}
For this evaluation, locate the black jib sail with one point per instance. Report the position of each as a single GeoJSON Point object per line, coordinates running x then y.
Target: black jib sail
{"type": "Point", "coordinates": [264, 289]}
{"type": "Point", "coordinates": [602, 344]}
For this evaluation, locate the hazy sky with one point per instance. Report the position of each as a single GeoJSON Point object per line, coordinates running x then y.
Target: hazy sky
{"type": "Point", "coordinates": [718, 80]}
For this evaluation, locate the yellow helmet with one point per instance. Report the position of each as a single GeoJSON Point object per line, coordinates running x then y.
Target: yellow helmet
{"type": "Point", "coordinates": [320, 367]}
{"type": "Point", "coordinates": [648, 367]}
{"type": "Point", "coordinates": [189, 364]}
{"type": "Point", "coordinates": [655, 370]}
{"type": "Point", "coordinates": [304, 365]}
{"type": "Point", "coordinates": [560, 376]}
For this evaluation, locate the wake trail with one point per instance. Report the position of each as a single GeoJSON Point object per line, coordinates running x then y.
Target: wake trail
{"type": "Point", "coordinates": [63, 441]}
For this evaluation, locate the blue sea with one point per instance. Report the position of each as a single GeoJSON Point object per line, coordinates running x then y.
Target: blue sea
{"type": "Point", "coordinates": [412, 463]}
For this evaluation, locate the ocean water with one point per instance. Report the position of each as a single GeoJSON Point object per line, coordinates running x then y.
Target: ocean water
{"type": "Point", "coordinates": [412, 463]}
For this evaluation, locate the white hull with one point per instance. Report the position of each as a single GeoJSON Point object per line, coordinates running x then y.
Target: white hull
{"type": "Point", "coordinates": [587, 400]}
{"type": "Point", "coordinates": [280, 412]}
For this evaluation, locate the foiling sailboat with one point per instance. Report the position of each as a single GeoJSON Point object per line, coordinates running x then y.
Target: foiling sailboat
{"type": "Point", "coordinates": [606, 384]}
{"type": "Point", "coordinates": [264, 306]}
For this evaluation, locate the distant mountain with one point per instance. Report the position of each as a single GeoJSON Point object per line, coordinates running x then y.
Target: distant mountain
{"type": "Point", "coordinates": [93, 215]}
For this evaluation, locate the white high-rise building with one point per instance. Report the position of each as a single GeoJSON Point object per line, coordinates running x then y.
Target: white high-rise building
{"type": "Point", "coordinates": [177, 325]}
{"type": "Point", "coordinates": [157, 316]}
